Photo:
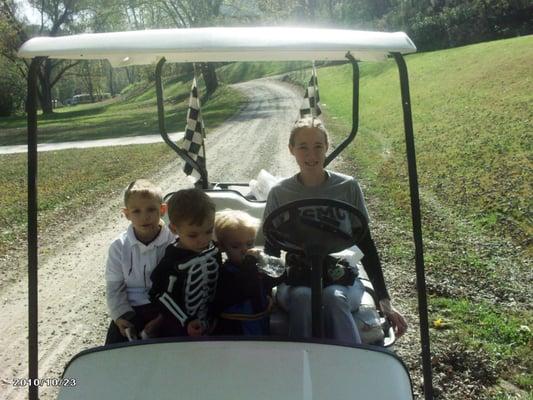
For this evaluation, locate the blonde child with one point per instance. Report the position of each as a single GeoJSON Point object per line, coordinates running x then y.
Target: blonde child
{"type": "Point", "coordinates": [184, 282]}
{"type": "Point", "coordinates": [132, 257]}
{"type": "Point", "coordinates": [242, 301]}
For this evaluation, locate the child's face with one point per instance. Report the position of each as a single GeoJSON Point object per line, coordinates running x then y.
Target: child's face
{"type": "Point", "coordinates": [144, 212]}
{"type": "Point", "coordinates": [309, 150]}
{"type": "Point", "coordinates": [236, 243]}
{"type": "Point", "coordinates": [195, 237]}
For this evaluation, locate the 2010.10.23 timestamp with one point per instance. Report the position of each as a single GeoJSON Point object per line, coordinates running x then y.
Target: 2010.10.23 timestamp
{"type": "Point", "coordinates": [63, 382]}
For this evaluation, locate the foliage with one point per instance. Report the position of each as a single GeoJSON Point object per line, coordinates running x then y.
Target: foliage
{"type": "Point", "coordinates": [460, 23]}
{"type": "Point", "coordinates": [431, 24]}
{"type": "Point", "coordinates": [12, 89]}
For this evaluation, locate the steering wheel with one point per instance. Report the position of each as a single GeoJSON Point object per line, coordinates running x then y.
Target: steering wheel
{"type": "Point", "coordinates": [315, 228]}
{"type": "Point", "coordinates": [310, 224]}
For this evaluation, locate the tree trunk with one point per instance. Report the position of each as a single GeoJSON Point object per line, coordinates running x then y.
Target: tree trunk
{"type": "Point", "coordinates": [130, 73]}
{"type": "Point", "coordinates": [46, 88]}
{"type": "Point", "coordinates": [210, 77]}
{"type": "Point", "coordinates": [111, 85]}
{"type": "Point", "coordinates": [89, 80]}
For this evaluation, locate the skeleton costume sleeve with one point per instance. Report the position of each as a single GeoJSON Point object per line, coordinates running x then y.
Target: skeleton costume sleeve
{"type": "Point", "coordinates": [184, 283]}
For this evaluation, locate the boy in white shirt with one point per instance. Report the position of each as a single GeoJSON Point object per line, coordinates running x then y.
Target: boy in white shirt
{"type": "Point", "coordinates": [132, 258]}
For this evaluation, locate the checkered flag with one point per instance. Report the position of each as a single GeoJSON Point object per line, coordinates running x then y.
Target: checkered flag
{"type": "Point", "coordinates": [193, 142]}
{"type": "Point", "coordinates": [310, 104]}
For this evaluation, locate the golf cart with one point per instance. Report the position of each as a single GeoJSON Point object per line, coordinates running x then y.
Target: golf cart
{"type": "Point", "coordinates": [207, 367]}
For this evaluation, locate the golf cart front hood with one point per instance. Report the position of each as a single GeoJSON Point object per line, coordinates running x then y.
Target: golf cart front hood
{"type": "Point", "coordinates": [236, 369]}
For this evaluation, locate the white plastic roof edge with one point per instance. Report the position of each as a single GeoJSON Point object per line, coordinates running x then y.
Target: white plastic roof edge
{"type": "Point", "coordinates": [220, 44]}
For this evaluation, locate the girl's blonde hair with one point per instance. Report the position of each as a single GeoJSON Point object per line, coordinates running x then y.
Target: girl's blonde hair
{"type": "Point", "coordinates": [232, 220]}
{"type": "Point", "coordinates": [308, 122]}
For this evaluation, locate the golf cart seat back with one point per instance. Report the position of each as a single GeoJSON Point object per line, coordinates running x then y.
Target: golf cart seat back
{"type": "Point", "coordinates": [232, 199]}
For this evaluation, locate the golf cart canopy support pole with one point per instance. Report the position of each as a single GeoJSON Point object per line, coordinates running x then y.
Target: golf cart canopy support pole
{"type": "Point", "coordinates": [355, 112]}
{"type": "Point", "coordinates": [417, 225]}
{"type": "Point", "coordinates": [33, 351]}
{"type": "Point", "coordinates": [203, 182]}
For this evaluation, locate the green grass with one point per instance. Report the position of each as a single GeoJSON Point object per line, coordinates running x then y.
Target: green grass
{"type": "Point", "coordinates": [245, 71]}
{"type": "Point", "coordinates": [71, 180]}
{"type": "Point", "coordinates": [137, 115]}
{"type": "Point", "coordinates": [489, 328]}
{"type": "Point", "coordinates": [472, 121]}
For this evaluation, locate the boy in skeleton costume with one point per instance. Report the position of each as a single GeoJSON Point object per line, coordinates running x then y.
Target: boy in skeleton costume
{"type": "Point", "coordinates": [184, 282]}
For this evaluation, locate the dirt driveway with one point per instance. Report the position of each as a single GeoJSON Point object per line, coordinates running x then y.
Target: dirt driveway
{"type": "Point", "coordinates": [72, 310]}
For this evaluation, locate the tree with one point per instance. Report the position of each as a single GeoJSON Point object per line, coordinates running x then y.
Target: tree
{"type": "Point", "coordinates": [57, 18]}
{"type": "Point", "coordinates": [196, 13]}
{"type": "Point", "coordinates": [12, 88]}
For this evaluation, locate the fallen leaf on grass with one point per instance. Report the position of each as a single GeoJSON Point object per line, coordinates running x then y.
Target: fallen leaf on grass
{"type": "Point", "coordinates": [440, 324]}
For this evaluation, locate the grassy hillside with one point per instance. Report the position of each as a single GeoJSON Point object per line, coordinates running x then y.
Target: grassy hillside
{"type": "Point", "coordinates": [245, 71]}
{"type": "Point", "coordinates": [472, 119]}
{"type": "Point", "coordinates": [133, 113]}
{"type": "Point", "coordinates": [76, 179]}
{"type": "Point", "coordinates": [473, 123]}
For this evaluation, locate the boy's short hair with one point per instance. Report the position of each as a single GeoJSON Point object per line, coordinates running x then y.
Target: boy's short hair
{"type": "Point", "coordinates": [308, 122]}
{"type": "Point", "coordinates": [142, 187]}
{"type": "Point", "coordinates": [232, 220]}
{"type": "Point", "coordinates": [190, 205]}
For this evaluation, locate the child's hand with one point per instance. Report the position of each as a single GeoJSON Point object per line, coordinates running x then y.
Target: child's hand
{"type": "Point", "coordinates": [254, 252]}
{"type": "Point", "coordinates": [195, 328]}
{"type": "Point", "coordinates": [124, 324]}
{"type": "Point", "coordinates": [151, 329]}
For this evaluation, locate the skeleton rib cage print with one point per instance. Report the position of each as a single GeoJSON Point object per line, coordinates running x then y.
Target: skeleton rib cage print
{"type": "Point", "coordinates": [200, 286]}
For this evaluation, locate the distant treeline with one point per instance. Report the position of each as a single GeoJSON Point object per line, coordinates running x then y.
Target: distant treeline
{"type": "Point", "coordinates": [432, 24]}
{"type": "Point", "coordinates": [455, 23]}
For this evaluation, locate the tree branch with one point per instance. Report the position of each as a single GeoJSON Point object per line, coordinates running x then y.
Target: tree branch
{"type": "Point", "coordinates": [60, 73]}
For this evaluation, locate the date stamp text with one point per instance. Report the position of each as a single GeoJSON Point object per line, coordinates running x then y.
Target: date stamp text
{"type": "Point", "coordinates": [63, 382]}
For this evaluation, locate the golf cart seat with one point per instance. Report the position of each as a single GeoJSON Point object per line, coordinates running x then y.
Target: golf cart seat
{"type": "Point", "coordinates": [235, 200]}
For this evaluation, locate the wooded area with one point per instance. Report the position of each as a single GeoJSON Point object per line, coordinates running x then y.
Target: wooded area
{"type": "Point", "coordinates": [432, 24]}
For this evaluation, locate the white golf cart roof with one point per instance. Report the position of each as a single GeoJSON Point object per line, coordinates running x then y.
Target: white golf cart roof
{"type": "Point", "coordinates": [220, 44]}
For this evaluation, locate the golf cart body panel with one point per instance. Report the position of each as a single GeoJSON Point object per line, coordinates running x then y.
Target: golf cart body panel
{"type": "Point", "coordinates": [244, 369]}
{"type": "Point", "coordinates": [123, 49]}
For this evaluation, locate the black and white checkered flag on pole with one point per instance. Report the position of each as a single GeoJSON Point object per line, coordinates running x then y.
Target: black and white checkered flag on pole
{"type": "Point", "coordinates": [311, 103]}
{"type": "Point", "coordinates": [193, 142]}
